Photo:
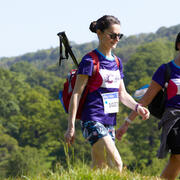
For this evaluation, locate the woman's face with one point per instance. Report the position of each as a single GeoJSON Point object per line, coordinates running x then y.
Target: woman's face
{"type": "Point", "coordinates": [110, 37]}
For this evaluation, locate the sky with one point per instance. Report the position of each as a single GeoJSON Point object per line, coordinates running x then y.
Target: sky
{"type": "Point", "coordinates": [32, 25]}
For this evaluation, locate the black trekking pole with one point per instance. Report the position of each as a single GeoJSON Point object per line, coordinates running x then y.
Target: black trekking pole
{"type": "Point", "coordinates": [64, 40]}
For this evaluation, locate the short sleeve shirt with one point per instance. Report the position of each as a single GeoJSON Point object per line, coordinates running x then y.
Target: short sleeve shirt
{"type": "Point", "coordinates": [173, 90]}
{"type": "Point", "coordinates": [111, 75]}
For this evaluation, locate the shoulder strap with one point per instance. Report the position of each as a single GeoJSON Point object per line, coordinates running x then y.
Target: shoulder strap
{"type": "Point", "coordinates": [167, 72]}
{"type": "Point", "coordinates": [95, 61]}
{"type": "Point", "coordinates": [117, 60]}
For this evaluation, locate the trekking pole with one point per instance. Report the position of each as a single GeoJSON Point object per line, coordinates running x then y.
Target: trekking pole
{"type": "Point", "coordinates": [64, 40]}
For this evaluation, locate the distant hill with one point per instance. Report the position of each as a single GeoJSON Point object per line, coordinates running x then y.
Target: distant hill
{"type": "Point", "coordinates": [128, 45]}
{"type": "Point", "coordinates": [42, 59]}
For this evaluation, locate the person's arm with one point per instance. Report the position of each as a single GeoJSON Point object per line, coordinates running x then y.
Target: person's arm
{"type": "Point", "coordinates": [152, 91]}
{"type": "Point", "coordinates": [128, 101]}
{"type": "Point", "coordinates": [80, 84]}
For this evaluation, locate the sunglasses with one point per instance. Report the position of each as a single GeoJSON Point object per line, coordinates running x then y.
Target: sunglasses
{"type": "Point", "coordinates": [114, 35]}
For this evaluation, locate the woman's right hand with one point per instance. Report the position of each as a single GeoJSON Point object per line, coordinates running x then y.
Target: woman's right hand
{"type": "Point", "coordinates": [122, 130]}
{"type": "Point", "coordinates": [70, 136]}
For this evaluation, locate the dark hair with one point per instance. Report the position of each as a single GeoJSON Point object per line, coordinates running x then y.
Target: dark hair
{"type": "Point", "coordinates": [103, 23]}
{"type": "Point", "coordinates": [177, 41]}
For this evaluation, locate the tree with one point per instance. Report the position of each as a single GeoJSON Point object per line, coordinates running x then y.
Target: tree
{"type": "Point", "coordinates": [145, 61]}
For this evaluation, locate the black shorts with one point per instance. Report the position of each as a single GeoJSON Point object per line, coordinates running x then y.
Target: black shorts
{"type": "Point", "coordinates": [173, 139]}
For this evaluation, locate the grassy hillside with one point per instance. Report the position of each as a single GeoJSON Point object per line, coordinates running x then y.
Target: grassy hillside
{"type": "Point", "coordinates": [83, 172]}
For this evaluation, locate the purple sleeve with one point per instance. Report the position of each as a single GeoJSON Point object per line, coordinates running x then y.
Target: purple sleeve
{"type": "Point", "coordinates": [86, 66]}
{"type": "Point", "coordinates": [158, 76]}
{"type": "Point", "coordinates": [121, 68]}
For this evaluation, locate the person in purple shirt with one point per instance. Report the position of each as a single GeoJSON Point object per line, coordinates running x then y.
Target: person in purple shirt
{"type": "Point", "coordinates": [170, 122]}
{"type": "Point", "coordinates": [101, 106]}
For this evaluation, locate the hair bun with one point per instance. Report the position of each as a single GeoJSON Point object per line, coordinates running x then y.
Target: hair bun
{"type": "Point", "coordinates": [92, 26]}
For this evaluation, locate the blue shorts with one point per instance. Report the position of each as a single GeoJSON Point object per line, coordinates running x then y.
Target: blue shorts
{"type": "Point", "coordinates": [93, 131]}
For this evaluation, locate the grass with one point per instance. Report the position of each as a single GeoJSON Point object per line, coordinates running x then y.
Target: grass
{"type": "Point", "coordinates": [84, 172]}
{"type": "Point", "coordinates": [77, 170]}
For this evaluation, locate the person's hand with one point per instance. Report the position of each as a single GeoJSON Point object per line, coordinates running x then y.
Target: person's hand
{"type": "Point", "coordinates": [143, 112]}
{"type": "Point", "coordinates": [122, 130]}
{"type": "Point", "coordinates": [70, 136]}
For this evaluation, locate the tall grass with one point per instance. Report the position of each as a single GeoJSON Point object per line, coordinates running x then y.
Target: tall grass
{"type": "Point", "coordinates": [77, 170]}
{"type": "Point", "coordinates": [84, 172]}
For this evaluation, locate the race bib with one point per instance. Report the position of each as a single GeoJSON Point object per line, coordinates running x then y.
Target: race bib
{"type": "Point", "coordinates": [111, 102]}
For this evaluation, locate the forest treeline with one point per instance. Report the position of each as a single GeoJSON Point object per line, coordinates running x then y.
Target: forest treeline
{"type": "Point", "coordinates": [33, 122]}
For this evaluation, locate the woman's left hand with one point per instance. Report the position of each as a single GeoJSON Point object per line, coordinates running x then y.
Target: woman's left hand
{"type": "Point", "coordinates": [143, 112]}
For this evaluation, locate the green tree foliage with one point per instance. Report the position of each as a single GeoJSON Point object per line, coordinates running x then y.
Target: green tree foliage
{"type": "Point", "coordinates": [142, 64]}
{"type": "Point", "coordinates": [26, 161]}
{"type": "Point", "coordinates": [23, 67]}
{"type": "Point", "coordinates": [7, 146]}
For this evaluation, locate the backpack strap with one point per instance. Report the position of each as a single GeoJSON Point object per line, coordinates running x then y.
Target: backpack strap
{"type": "Point", "coordinates": [167, 75]}
{"type": "Point", "coordinates": [117, 61]}
{"type": "Point", "coordinates": [167, 78]}
{"type": "Point", "coordinates": [95, 62]}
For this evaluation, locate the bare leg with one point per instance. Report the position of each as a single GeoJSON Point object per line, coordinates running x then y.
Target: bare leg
{"type": "Point", "coordinates": [110, 161]}
{"type": "Point", "coordinates": [172, 169]}
{"type": "Point", "coordinates": [99, 150]}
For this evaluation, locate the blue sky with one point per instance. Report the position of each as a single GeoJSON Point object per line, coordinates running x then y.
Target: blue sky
{"type": "Point", "coordinates": [31, 25]}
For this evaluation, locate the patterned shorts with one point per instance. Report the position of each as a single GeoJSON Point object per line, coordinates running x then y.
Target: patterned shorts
{"type": "Point", "coordinates": [173, 139]}
{"type": "Point", "coordinates": [93, 131]}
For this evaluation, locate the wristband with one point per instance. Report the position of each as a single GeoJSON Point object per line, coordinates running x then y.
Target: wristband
{"type": "Point", "coordinates": [128, 120]}
{"type": "Point", "coordinates": [136, 107]}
